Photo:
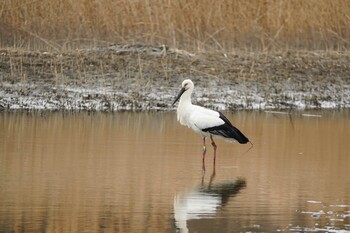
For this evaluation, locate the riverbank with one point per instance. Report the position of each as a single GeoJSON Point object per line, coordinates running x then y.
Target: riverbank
{"type": "Point", "coordinates": [147, 78]}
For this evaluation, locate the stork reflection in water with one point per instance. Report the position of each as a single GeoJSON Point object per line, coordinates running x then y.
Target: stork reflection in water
{"type": "Point", "coordinates": [205, 201]}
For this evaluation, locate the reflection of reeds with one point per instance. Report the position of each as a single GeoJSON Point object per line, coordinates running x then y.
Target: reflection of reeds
{"type": "Point", "coordinates": [196, 25]}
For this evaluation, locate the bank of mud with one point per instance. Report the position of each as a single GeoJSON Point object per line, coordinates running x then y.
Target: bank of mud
{"type": "Point", "coordinates": [147, 78]}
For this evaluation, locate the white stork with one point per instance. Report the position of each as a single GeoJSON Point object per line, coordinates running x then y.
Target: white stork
{"type": "Point", "coordinates": [206, 122]}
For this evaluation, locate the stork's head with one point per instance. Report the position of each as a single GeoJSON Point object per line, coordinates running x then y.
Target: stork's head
{"type": "Point", "coordinates": [187, 86]}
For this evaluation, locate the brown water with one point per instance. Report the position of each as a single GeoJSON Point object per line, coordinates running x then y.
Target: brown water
{"type": "Point", "coordinates": [142, 172]}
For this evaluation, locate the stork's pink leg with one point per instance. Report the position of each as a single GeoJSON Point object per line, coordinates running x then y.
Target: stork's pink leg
{"type": "Point", "coordinates": [214, 146]}
{"type": "Point", "coordinates": [204, 153]}
{"type": "Point", "coordinates": [204, 149]}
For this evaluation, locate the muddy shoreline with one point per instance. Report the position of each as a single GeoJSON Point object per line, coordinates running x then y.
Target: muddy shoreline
{"type": "Point", "coordinates": [147, 78]}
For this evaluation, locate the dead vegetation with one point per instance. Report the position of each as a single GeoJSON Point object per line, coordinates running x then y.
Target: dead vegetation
{"type": "Point", "coordinates": [141, 78]}
{"type": "Point", "coordinates": [208, 25]}
{"type": "Point", "coordinates": [94, 54]}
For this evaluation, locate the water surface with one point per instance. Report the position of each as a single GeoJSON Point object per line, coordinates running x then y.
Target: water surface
{"type": "Point", "coordinates": [142, 172]}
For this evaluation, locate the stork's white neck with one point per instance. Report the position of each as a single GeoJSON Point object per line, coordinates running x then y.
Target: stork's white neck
{"type": "Point", "coordinates": [184, 106]}
{"type": "Point", "coordinates": [186, 98]}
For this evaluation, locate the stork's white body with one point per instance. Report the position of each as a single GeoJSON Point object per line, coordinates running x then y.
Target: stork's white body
{"type": "Point", "coordinates": [196, 117]}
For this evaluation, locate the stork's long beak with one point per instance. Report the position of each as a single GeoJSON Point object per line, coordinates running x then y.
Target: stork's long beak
{"type": "Point", "coordinates": [179, 95]}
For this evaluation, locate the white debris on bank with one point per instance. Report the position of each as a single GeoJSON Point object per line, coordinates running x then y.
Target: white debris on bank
{"type": "Point", "coordinates": [23, 96]}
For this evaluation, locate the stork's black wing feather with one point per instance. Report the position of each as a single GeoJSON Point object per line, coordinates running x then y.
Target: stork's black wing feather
{"type": "Point", "coordinates": [227, 130]}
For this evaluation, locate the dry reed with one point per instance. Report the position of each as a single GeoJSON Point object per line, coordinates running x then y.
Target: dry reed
{"type": "Point", "coordinates": [198, 25]}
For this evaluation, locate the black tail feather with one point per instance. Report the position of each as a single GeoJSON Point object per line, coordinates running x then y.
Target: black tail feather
{"type": "Point", "coordinates": [227, 130]}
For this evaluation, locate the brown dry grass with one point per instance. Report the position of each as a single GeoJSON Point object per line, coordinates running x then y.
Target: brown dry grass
{"type": "Point", "coordinates": [190, 24]}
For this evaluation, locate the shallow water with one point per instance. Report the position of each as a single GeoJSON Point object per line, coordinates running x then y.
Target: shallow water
{"type": "Point", "coordinates": [142, 172]}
